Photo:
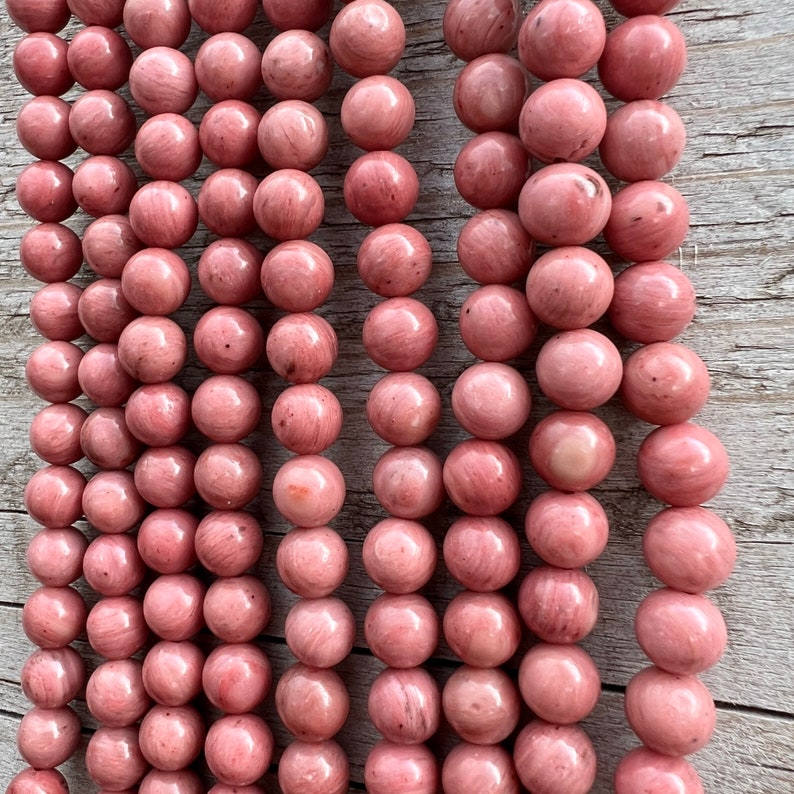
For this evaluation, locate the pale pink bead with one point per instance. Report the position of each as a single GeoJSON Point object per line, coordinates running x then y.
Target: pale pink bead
{"type": "Point", "coordinates": [48, 737]}
{"type": "Point", "coordinates": [112, 503]}
{"type": "Point", "coordinates": [181, 781]}
{"type": "Point", "coordinates": [55, 433]}
{"type": "Point", "coordinates": [399, 555]}
{"type": "Point", "coordinates": [394, 260]}
{"type": "Point", "coordinates": [401, 630]}
{"type": "Point", "coordinates": [377, 113]}
{"type": "Point", "coordinates": [380, 188]}
{"type": "Point", "coordinates": [228, 340]}
{"type": "Point", "coordinates": [53, 311]}
{"type": "Point", "coordinates": [104, 311]}
{"type": "Point", "coordinates": [44, 191]}
{"type": "Point", "coordinates": [319, 767]}
{"type": "Point", "coordinates": [115, 694]}
{"type": "Point", "coordinates": [113, 758]}
{"type": "Point", "coordinates": [297, 65]}
{"type": "Point", "coordinates": [312, 562]}
{"type": "Point", "coordinates": [51, 677]}
{"type": "Point", "coordinates": [476, 27]}
{"type": "Point", "coordinates": [107, 440]}
{"type": "Point", "coordinates": [98, 12]}
{"type": "Point", "coordinates": [237, 608]}
{"type": "Point", "coordinates": [152, 349]}
{"type": "Point", "coordinates": [320, 631]}
{"type": "Point", "coordinates": [38, 781]}
{"type": "Point", "coordinates": [228, 271]}
{"type": "Point", "coordinates": [159, 23]}
{"type": "Point", "coordinates": [227, 133]}
{"type": "Point", "coordinates": [482, 705]}
{"type": "Point", "coordinates": [214, 17]}
{"type": "Point", "coordinates": [116, 627]}
{"type": "Point", "coordinates": [487, 769]}
{"type": "Point", "coordinates": [482, 629]}
{"type": "Point", "coordinates": [172, 672]}
{"type": "Point", "coordinates": [53, 496]}
{"type": "Point", "coordinates": [393, 768]}
{"type": "Point", "coordinates": [297, 276]}
{"type": "Point", "coordinates": [164, 214]}
{"type": "Point", "coordinates": [236, 677]}
{"type": "Point", "coordinates": [312, 703]}
{"type": "Point", "coordinates": [558, 605]}
{"type": "Point", "coordinates": [46, 16]}
{"type": "Point", "coordinates": [158, 414]}
{"type": "Point", "coordinates": [55, 556]}
{"type": "Point", "coordinates": [306, 418]}
{"type": "Point", "coordinates": [51, 371]}
{"type": "Point", "coordinates": [51, 252]}
{"type": "Point", "coordinates": [285, 15]}
{"type": "Point", "coordinates": [112, 565]}
{"type": "Point", "coordinates": [102, 378]}
{"type": "Point", "coordinates": [367, 37]}
{"type": "Point", "coordinates": [225, 408]}
{"type": "Point", "coordinates": [172, 606]}
{"type": "Point", "coordinates": [405, 705]}
{"type": "Point", "coordinates": [167, 147]}
{"type": "Point", "coordinates": [309, 490]}
{"type": "Point", "coordinates": [171, 737]}
{"type": "Point", "coordinates": [400, 334]}
{"type": "Point", "coordinates": [403, 408]}
{"type": "Point", "coordinates": [166, 540]}
{"type": "Point", "coordinates": [293, 134]}
{"type": "Point", "coordinates": [228, 65]}
{"type": "Point", "coordinates": [228, 542]}
{"type": "Point", "coordinates": [53, 617]}
{"type": "Point", "coordinates": [238, 749]}
{"type": "Point", "coordinates": [407, 482]}
{"type": "Point", "coordinates": [162, 80]}
{"type": "Point", "coordinates": [302, 347]}
{"type": "Point", "coordinates": [101, 122]}
{"type": "Point", "coordinates": [226, 202]}
{"type": "Point", "coordinates": [645, 769]}
{"type": "Point", "coordinates": [228, 476]}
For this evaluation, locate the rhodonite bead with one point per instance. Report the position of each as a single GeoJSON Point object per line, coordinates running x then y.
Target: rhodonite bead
{"type": "Point", "coordinates": [405, 705]}
{"type": "Point", "coordinates": [312, 562]}
{"type": "Point", "coordinates": [53, 496]}
{"type": "Point", "coordinates": [292, 134]}
{"type": "Point", "coordinates": [99, 57]}
{"type": "Point", "coordinates": [155, 281]}
{"type": "Point", "coordinates": [320, 631]}
{"type": "Point", "coordinates": [39, 16]}
{"type": "Point", "coordinates": [482, 629]}
{"type": "Point", "coordinates": [381, 188]}
{"type": "Point", "coordinates": [116, 627]}
{"type": "Point", "coordinates": [228, 476]}
{"type": "Point", "coordinates": [113, 757]}
{"type": "Point", "coordinates": [164, 476]}
{"type": "Point", "coordinates": [157, 23]}
{"type": "Point", "coordinates": [399, 555]}
{"type": "Point", "coordinates": [312, 703]}
{"type": "Point", "coordinates": [564, 204]}
{"type": "Point", "coordinates": [555, 759]}
{"type": "Point", "coordinates": [167, 147]}
{"type": "Point", "coordinates": [104, 185]}
{"type": "Point", "coordinates": [487, 769]}
{"type": "Point", "coordinates": [102, 378]}
{"type": "Point", "coordinates": [158, 414]}
{"type": "Point", "coordinates": [40, 64]}
{"type": "Point", "coordinates": [393, 768]}
{"type": "Point", "coordinates": [643, 58]}
{"type": "Point", "coordinates": [559, 683]}
{"type": "Point", "coordinates": [394, 260]}
{"type": "Point", "coordinates": [228, 271]}
{"type": "Point", "coordinates": [48, 737]}
{"type": "Point", "coordinates": [228, 66]}
{"type": "Point", "coordinates": [172, 606]}
{"type": "Point", "coordinates": [166, 540]}
{"type": "Point", "coordinates": [172, 672]}
{"type": "Point", "coordinates": [302, 347]}
{"type": "Point", "coordinates": [289, 205]}
{"type": "Point", "coordinates": [52, 677]}
{"type": "Point", "coordinates": [321, 767]}
{"type": "Point", "coordinates": [403, 408]}
{"type": "Point", "coordinates": [182, 781]}
{"type": "Point", "coordinates": [378, 112]}
{"type": "Point", "coordinates": [108, 243]}
{"type": "Point", "coordinates": [367, 37]}
{"type": "Point", "coordinates": [285, 15]}
{"type": "Point", "coordinates": [228, 542]}
{"type": "Point", "coordinates": [55, 433]}
{"type": "Point", "coordinates": [479, 27]}
{"type": "Point", "coordinates": [238, 749]}
{"type": "Point", "coordinates": [297, 276]}
{"type": "Point", "coordinates": [645, 769]}
{"type": "Point", "coordinates": [54, 617]}
{"type": "Point", "coordinates": [50, 252]}
{"type": "Point", "coordinates": [400, 334]}
{"type": "Point", "coordinates": [297, 65]}
{"type": "Point", "coordinates": [481, 705]}
{"type": "Point", "coordinates": [563, 120]}
{"type": "Point", "coordinates": [102, 122]}
{"type": "Point", "coordinates": [561, 39]}
{"type": "Point", "coordinates": [401, 630]}
{"type": "Point", "coordinates": [226, 202]}
{"type": "Point", "coordinates": [490, 170]}
{"type": "Point", "coordinates": [163, 214]}
{"type": "Point", "coordinates": [227, 133]}
{"type": "Point", "coordinates": [215, 17]}
{"type": "Point", "coordinates": [115, 694]}
{"type": "Point", "coordinates": [98, 12]}
{"type": "Point", "coordinates": [559, 606]}
{"type": "Point", "coordinates": [225, 408]}
{"type": "Point", "coordinates": [38, 781]}
{"type": "Point", "coordinates": [407, 482]}
{"type": "Point", "coordinates": [689, 548]}
{"type": "Point", "coordinates": [228, 340]}
{"type": "Point", "coordinates": [112, 565]}
{"type": "Point", "coordinates": [162, 80]}
{"type": "Point", "coordinates": [104, 311]}
{"type": "Point", "coordinates": [236, 678]}
{"type": "Point", "coordinates": [55, 556]}
{"type": "Point", "coordinates": [482, 553]}
{"type": "Point", "coordinates": [44, 191]}
{"type": "Point", "coordinates": [567, 530]}
{"type": "Point", "coordinates": [309, 490]}
{"type": "Point", "coordinates": [152, 349]}
{"type": "Point", "coordinates": [306, 418]}
{"type": "Point", "coordinates": [494, 248]}
{"type": "Point", "coordinates": [42, 126]}
{"type": "Point", "coordinates": [171, 737]}
{"type": "Point", "coordinates": [671, 714]}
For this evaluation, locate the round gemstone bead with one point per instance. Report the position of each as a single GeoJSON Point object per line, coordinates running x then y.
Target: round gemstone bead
{"type": "Point", "coordinates": [478, 27]}
{"type": "Point", "coordinates": [293, 134]}
{"type": "Point", "coordinates": [162, 80]}
{"type": "Point", "coordinates": [392, 768]}
{"type": "Point", "coordinates": [309, 490]}
{"type": "Point", "coordinates": [403, 408]}
{"type": "Point", "coordinates": [52, 677]}
{"type": "Point", "coordinates": [225, 408]}
{"type": "Point", "coordinates": [321, 767]}
{"type": "Point", "coordinates": [228, 66]}
{"type": "Point", "coordinates": [400, 334]}
{"type": "Point", "coordinates": [237, 608]}
{"type": "Point", "coordinates": [320, 631]}
{"type": "Point", "coordinates": [172, 672]}
{"type": "Point", "coordinates": [39, 16]}
{"type": "Point", "coordinates": [399, 555]}
{"type": "Point", "coordinates": [394, 260]}
{"type": "Point", "coordinates": [312, 703]}
{"type": "Point", "coordinates": [297, 65]}
{"type": "Point", "coordinates": [48, 737]}
{"type": "Point", "coordinates": [312, 562]}
{"type": "Point", "coordinates": [166, 540]}
{"type": "Point", "coordinates": [42, 127]}
{"type": "Point", "coordinates": [297, 276]}
{"type": "Point", "coordinates": [157, 23]}
{"type": "Point", "coordinates": [167, 147]}
{"type": "Point", "coordinates": [238, 749]}
{"type": "Point", "coordinates": [113, 757]}
{"type": "Point", "coordinates": [407, 482]}
{"type": "Point", "coordinates": [381, 187]}
{"type": "Point", "coordinates": [401, 630]}
{"type": "Point", "coordinates": [488, 769]}
{"type": "Point", "coordinates": [302, 347]}
{"type": "Point", "coordinates": [227, 133]}
{"type": "Point", "coordinates": [378, 113]}
{"type": "Point", "coordinates": [405, 705]}
{"type": "Point", "coordinates": [236, 678]}
{"type": "Point", "coordinates": [228, 542]}
{"type": "Point", "coordinates": [653, 771]}
{"type": "Point", "coordinates": [288, 205]}
{"type": "Point", "coordinates": [228, 340]}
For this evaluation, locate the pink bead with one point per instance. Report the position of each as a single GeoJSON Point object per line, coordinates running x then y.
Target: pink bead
{"type": "Point", "coordinates": [320, 631]}
{"type": "Point", "coordinates": [401, 630]}
{"type": "Point", "coordinates": [172, 672]}
{"type": "Point", "coordinates": [645, 769]}
{"type": "Point", "coordinates": [106, 439]}
{"type": "Point", "coordinates": [102, 122]}
{"type": "Point", "coordinates": [633, 8]}
{"type": "Point", "coordinates": [50, 252]}
{"type": "Point", "coordinates": [228, 542]}
{"type": "Point", "coordinates": [564, 204]}
{"type": "Point", "coordinates": [39, 16]}
{"type": "Point", "coordinates": [172, 606]}
{"type": "Point", "coordinates": [562, 39]}
{"type": "Point", "coordinates": [491, 400]}
{"type": "Point", "coordinates": [566, 530]}
{"type": "Point", "coordinates": [399, 555]}
{"type": "Point", "coordinates": [52, 677]}
{"type": "Point", "coordinates": [156, 281]}
{"type": "Point", "coordinates": [40, 64]}
{"type": "Point", "coordinates": [312, 562]}
{"type": "Point", "coordinates": [559, 683]}
{"type": "Point", "coordinates": [482, 478]}
{"type": "Point", "coordinates": [494, 248]}
{"type": "Point", "coordinates": [228, 340]}
{"type": "Point", "coordinates": [367, 37]}
{"type": "Point", "coordinates": [237, 678]}
{"type": "Point", "coordinates": [563, 120]}
{"type": "Point", "coordinates": [98, 12]}
{"type": "Point", "coordinates": [482, 553]}
{"type": "Point", "coordinates": [380, 188]}
{"type": "Point", "coordinates": [689, 548]}
{"type": "Point", "coordinates": [643, 58]}
{"type": "Point", "coordinates": [297, 276]}
{"type": "Point", "coordinates": [393, 768]}
{"type": "Point", "coordinates": [394, 260]}
{"type": "Point", "coordinates": [104, 311]}
{"type": "Point", "coordinates": [378, 112]}
{"type": "Point", "coordinates": [552, 759]}
{"type": "Point", "coordinates": [115, 694]}
{"type": "Point", "coordinates": [53, 496]}
{"type": "Point", "coordinates": [227, 133]}
{"type": "Point", "coordinates": [238, 749]}
{"type": "Point", "coordinates": [496, 323]}
{"type": "Point", "coordinates": [55, 556]}
{"type": "Point", "coordinates": [113, 758]}
{"type": "Point", "coordinates": [228, 476]}
{"type": "Point", "coordinates": [488, 770]}
{"type": "Point", "coordinates": [163, 214]}
{"type": "Point", "coordinates": [321, 767]}
{"type": "Point", "coordinates": [237, 608]}
{"type": "Point", "coordinates": [171, 737]}
{"type": "Point", "coordinates": [312, 703]}
{"type": "Point", "coordinates": [225, 408]}
{"type": "Point", "coordinates": [104, 185]}
{"type": "Point", "coordinates": [400, 334]}
{"type": "Point", "coordinates": [407, 482]}
{"type": "Point", "coordinates": [297, 65]}
{"type": "Point", "coordinates": [572, 450]}
{"type": "Point", "coordinates": [44, 191]}
{"type": "Point", "coordinates": [157, 23]}
{"type": "Point", "coordinates": [112, 566]}
{"type": "Point", "coordinates": [215, 17]}
{"type": "Point", "coordinates": [228, 66]}
{"type": "Point", "coordinates": [289, 205]}
{"type": "Point", "coordinates": [405, 705]}
{"type": "Point", "coordinates": [166, 540]}
{"type": "Point", "coordinates": [99, 57]}
{"type": "Point", "coordinates": [293, 134]}
{"type": "Point", "coordinates": [477, 27]}
{"type": "Point", "coordinates": [671, 714]}
{"type": "Point", "coordinates": [158, 414]}
{"type": "Point", "coordinates": [48, 737]}
{"type": "Point", "coordinates": [228, 271]}
{"type": "Point", "coordinates": [162, 80]}
{"type": "Point", "coordinates": [102, 378]}
{"type": "Point", "coordinates": [42, 126]}
{"type": "Point", "coordinates": [116, 628]}
{"type": "Point", "coordinates": [482, 629]}
{"type": "Point", "coordinates": [38, 781]}
{"type": "Point", "coordinates": [53, 617]}
{"type": "Point", "coordinates": [302, 347]}
{"type": "Point", "coordinates": [306, 418]}
{"type": "Point", "coordinates": [684, 464]}
{"type": "Point", "coordinates": [490, 170]}
{"type": "Point", "coordinates": [403, 408]}
{"type": "Point", "coordinates": [310, 15]}
{"type": "Point", "coordinates": [108, 243]}
{"type": "Point", "coordinates": [309, 490]}
{"type": "Point", "coordinates": [111, 502]}
{"type": "Point", "coordinates": [55, 433]}
{"type": "Point", "coordinates": [53, 311]}
{"type": "Point", "coordinates": [489, 93]}
{"type": "Point", "coordinates": [183, 781]}
{"type": "Point", "coordinates": [167, 147]}
{"type": "Point", "coordinates": [481, 705]}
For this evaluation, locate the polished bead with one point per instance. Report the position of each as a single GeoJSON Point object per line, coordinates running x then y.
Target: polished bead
{"type": "Point", "coordinates": [163, 214]}
{"type": "Point", "coordinates": [403, 408]}
{"type": "Point", "coordinates": [309, 490]}
{"type": "Point", "coordinates": [378, 112]}
{"type": "Point", "coordinates": [400, 334]}
{"type": "Point", "coordinates": [42, 126]}
{"type": "Point", "coordinates": [320, 631]}
{"type": "Point", "coordinates": [116, 627]}
{"type": "Point", "coordinates": [401, 630]}
{"type": "Point", "coordinates": [289, 205]}
{"type": "Point", "coordinates": [167, 147]}
{"type": "Point", "coordinates": [302, 347]}
{"type": "Point", "coordinates": [238, 749]}
{"type": "Point", "coordinates": [38, 781]}
{"type": "Point", "coordinates": [393, 768]}
{"type": "Point", "coordinates": [50, 252]}
{"type": "Point", "coordinates": [172, 606]}
{"type": "Point", "coordinates": [113, 758]}
{"type": "Point", "coordinates": [228, 542]}
{"type": "Point", "coordinates": [182, 781]}
{"type": "Point", "coordinates": [399, 555]}
{"type": "Point", "coordinates": [99, 57]}
{"type": "Point", "coordinates": [236, 678]}
{"type": "Point", "coordinates": [98, 12]}
{"type": "Point", "coordinates": [44, 191]}
{"type": "Point", "coordinates": [297, 276]}
{"type": "Point", "coordinates": [478, 27]}
{"type": "Point", "coordinates": [171, 737]}
{"type": "Point", "coordinates": [494, 248]}
{"type": "Point", "coordinates": [225, 408]}
{"type": "Point", "coordinates": [237, 608]}
{"type": "Point", "coordinates": [228, 66]}
{"type": "Point", "coordinates": [380, 188]}
{"type": "Point", "coordinates": [558, 605]}
{"type": "Point", "coordinates": [312, 562]}
{"type": "Point", "coordinates": [405, 705]}
{"type": "Point", "coordinates": [152, 349]}
{"type": "Point", "coordinates": [293, 134]}
{"type": "Point", "coordinates": [108, 243]}
{"type": "Point", "coordinates": [228, 476]}
{"type": "Point", "coordinates": [228, 271]}
{"type": "Point", "coordinates": [306, 418]}
{"type": "Point", "coordinates": [172, 672]}
{"type": "Point", "coordinates": [115, 694]}
{"type": "Point", "coordinates": [166, 540]}
{"type": "Point", "coordinates": [102, 378]}
{"type": "Point", "coordinates": [34, 16]}
{"type": "Point", "coordinates": [162, 80]}
{"type": "Point", "coordinates": [104, 311]}
{"type": "Point", "coordinates": [53, 617]}
{"type": "Point", "coordinates": [156, 281]}
{"type": "Point", "coordinates": [312, 703]}
{"type": "Point", "coordinates": [40, 64]}
{"type": "Point", "coordinates": [309, 15]}
{"type": "Point", "coordinates": [321, 767]}
{"type": "Point", "coordinates": [112, 565]}
{"type": "Point", "coordinates": [157, 23]}
{"type": "Point", "coordinates": [104, 185]}
{"type": "Point", "coordinates": [214, 17]}
{"type": "Point", "coordinates": [407, 482]}
{"type": "Point", "coordinates": [55, 433]}
{"type": "Point", "coordinates": [394, 260]}
{"type": "Point", "coordinates": [486, 769]}
{"type": "Point", "coordinates": [50, 678]}
{"type": "Point", "coordinates": [55, 556]}
{"type": "Point", "coordinates": [48, 737]}
{"type": "Point", "coordinates": [158, 414]}
{"type": "Point", "coordinates": [367, 37]}
{"type": "Point", "coordinates": [53, 496]}
{"type": "Point", "coordinates": [228, 340]}
{"type": "Point", "coordinates": [227, 133]}
{"type": "Point", "coordinates": [645, 770]}
{"type": "Point", "coordinates": [297, 64]}
{"type": "Point", "coordinates": [102, 122]}
{"type": "Point", "coordinates": [226, 202]}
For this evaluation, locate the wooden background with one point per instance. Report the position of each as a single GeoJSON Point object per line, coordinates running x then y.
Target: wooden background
{"type": "Point", "coordinates": [737, 102]}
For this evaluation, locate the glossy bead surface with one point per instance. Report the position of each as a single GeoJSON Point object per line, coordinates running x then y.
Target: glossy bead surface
{"type": "Point", "coordinates": [407, 482]}
{"type": "Point", "coordinates": [162, 80]}
{"type": "Point", "coordinates": [171, 737]}
{"type": "Point", "coordinates": [488, 769]}
{"type": "Point", "coordinates": [116, 628]}
{"type": "Point", "coordinates": [378, 113]}
{"type": "Point", "coordinates": [53, 617]}
{"type": "Point", "coordinates": [289, 205]}
{"type": "Point", "coordinates": [48, 737]}
{"type": "Point", "coordinates": [115, 694]}
{"type": "Point", "coordinates": [157, 23]}
{"type": "Point", "coordinates": [172, 606]}
{"type": "Point", "coordinates": [225, 408]}
{"type": "Point", "coordinates": [155, 281]}
{"type": "Point", "coordinates": [494, 248]}
{"type": "Point", "coordinates": [320, 631]}
{"type": "Point", "coordinates": [399, 555]}
{"type": "Point", "coordinates": [104, 185]}
{"type": "Point", "coordinates": [228, 271]}
{"type": "Point", "coordinates": [50, 252]}
{"type": "Point", "coordinates": [238, 749]}
{"type": "Point", "coordinates": [292, 134]}
{"type": "Point", "coordinates": [158, 414]}
{"type": "Point", "coordinates": [394, 260]}
{"type": "Point", "coordinates": [228, 66]}
{"type": "Point", "coordinates": [309, 490]}
{"type": "Point", "coordinates": [40, 64]}
{"type": "Point", "coordinates": [228, 476]}
{"type": "Point", "coordinates": [228, 340]}
{"type": "Point", "coordinates": [38, 781]}
{"type": "Point", "coordinates": [113, 757]}
{"type": "Point", "coordinates": [227, 133]}
{"type": "Point", "coordinates": [297, 276]}
{"type": "Point", "coordinates": [112, 565]}
{"type": "Point", "coordinates": [405, 705]}
{"type": "Point", "coordinates": [498, 22]}
{"type": "Point", "coordinates": [237, 608]}
{"type": "Point", "coordinates": [98, 12]}
{"type": "Point", "coordinates": [172, 672]}
{"type": "Point", "coordinates": [393, 768]}
{"type": "Point", "coordinates": [312, 703]}
{"type": "Point", "coordinates": [55, 556]}
{"type": "Point", "coordinates": [380, 188]}
{"type": "Point", "coordinates": [490, 170]}
{"type": "Point", "coordinates": [163, 214]}
{"type": "Point", "coordinates": [306, 418]}
{"type": "Point", "coordinates": [50, 678]}
{"type": "Point", "coordinates": [42, 126]}
{"type": "Point", "coordinates": [167, 147]}
{"type": "Point", "coordinates": [401, 630]}
{"type": "Point", "coordinates": [312, 562]}
{"type": "Point", "coordinates": [403, 408]}
{"type": "Point", "coordinates": [367, 37]}
{"type": "Point", "coordinates": [53, 311]}
{"type": "Point", "coordinates": [39, 16]}
{"type": "Point", "coordinates": [285, 15]}
{"type": "Point", "coordinates": [108, 242]}
{"type": "Point", "coordinates": [166, 540]}
{"type": "Point", "coordinates": [164, 475]}
{"type": "Point", "coordinates": [661, 774]}
{"type": "Point", "coordinates": [102, 122]}
{"type": "Point", "coordinates": [321, 767]}
{"type": "Point", "coordinates": [181, 781]}
{"type": "Point", "coordinates": [214, 17]}
{"type": "Point", "coordinates": [53, 496]}
{"type": "Point", "coordinates": [152, 349]}
{"type": "Point", "coordinates": [400, 334]}
{"type": "Point", "coordinates": [44, 191]}
{"type": "Point", "coordinates": [99, 57]}
{"type": "Point", "coordinates": [302, 347]}
{"type": "Point", "coordinates": [54, 433]}
{"type": "Point", "coordinates": [228, 542]}
{"type": "Point", "coordinates": [104, 311]}
{"type": "Point", "coordinates": [236, 678]}
{"type": "Point", "coordinates": [297, 65]}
